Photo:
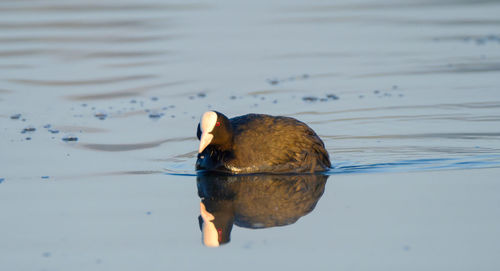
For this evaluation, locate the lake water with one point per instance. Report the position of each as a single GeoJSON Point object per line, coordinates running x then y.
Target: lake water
{"type": "Point", "coordinates": [99, 102]}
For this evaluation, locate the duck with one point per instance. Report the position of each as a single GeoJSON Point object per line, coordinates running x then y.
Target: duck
{"type": "Point", "coordinates": [258, 143]}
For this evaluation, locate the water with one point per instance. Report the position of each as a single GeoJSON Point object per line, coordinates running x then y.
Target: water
{"type": "Point", "coordinates": [403, 93]}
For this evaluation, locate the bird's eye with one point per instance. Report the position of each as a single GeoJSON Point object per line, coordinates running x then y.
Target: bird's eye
{"type": "Point", "coordinates": [217, 124]}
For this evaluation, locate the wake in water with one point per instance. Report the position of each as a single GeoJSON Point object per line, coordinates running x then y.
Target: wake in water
{"type": "Point", "coordinates": [414, 165]}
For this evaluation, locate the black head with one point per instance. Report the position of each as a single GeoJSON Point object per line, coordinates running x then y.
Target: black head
{"type": "Point", "coordinates": [215, 130]}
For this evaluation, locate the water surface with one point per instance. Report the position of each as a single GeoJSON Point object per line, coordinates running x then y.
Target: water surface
{"type": "Point", "coordinates": [99, 103]}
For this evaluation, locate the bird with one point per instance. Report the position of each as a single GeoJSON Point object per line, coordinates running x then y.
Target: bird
{"type": "Point", "coordinates": [258, 143]}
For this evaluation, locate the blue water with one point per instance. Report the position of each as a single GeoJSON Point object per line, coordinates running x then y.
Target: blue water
{"type": "Point", "coordinates": [481, 161]}
{"type": "Point", "coordinates": [104, 98]}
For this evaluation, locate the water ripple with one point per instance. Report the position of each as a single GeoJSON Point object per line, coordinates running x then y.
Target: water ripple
{"type": "Point", "coordinates": [134, 146]}
{"type": "Point", "coordinates": [412, 165]}
{"type": "Point", "coordinates": [100, 81]}
{"type": "Point", "coordinates": [413, 117]}
{"type": "Point", "coordinates": [474, 105]}
{"type": "Point", "coordinates": [94, 38]}
{"type": "Point", "coordinates": [481, 161]}
{"type": "Point", "coordinates": [103, 7]}
{"type": "Point", "coordinates": [121, 24]}
{"type": "Point", "coordinates": [129, 92]}
{"type": "Point", "coordinates": [471, 136]}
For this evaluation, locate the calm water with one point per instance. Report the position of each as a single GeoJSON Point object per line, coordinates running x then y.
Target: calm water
{"type": "Point", "coordinates": [99, 103]}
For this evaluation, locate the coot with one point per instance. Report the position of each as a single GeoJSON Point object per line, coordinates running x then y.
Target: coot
{"type": "Point", "coordinates": [258, 143]}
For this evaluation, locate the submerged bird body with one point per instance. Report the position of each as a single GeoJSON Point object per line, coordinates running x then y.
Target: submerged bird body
{"type": "Point", "coordinates": [257, 143]}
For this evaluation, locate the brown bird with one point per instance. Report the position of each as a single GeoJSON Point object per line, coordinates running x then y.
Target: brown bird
{"type": "Point", "coordinates": [257, 143]}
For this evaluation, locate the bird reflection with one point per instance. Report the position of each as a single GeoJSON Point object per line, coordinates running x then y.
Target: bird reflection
{"type": "Point", "coordinates": [253, 201]}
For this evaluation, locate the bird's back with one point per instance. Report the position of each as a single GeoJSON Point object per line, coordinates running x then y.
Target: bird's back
{"type": "Point", "coordinates": [275, 144]}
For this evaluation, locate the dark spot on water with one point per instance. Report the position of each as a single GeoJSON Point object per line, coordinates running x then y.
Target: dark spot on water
{"type": "Point", "coordinates": [15, 116]}
{"type": "Point", "coordinates": [133, 101]}
{"type": "Point", "coordinates": [54, 131]}
{"type": "Point", "coordinates": [493, 37]}
{"type": "Point", "coordinates": [191, 97]}
{"type": "Point", "coordinates": [101, 115]}
{"type": "Point", "coordinates": [147, 110]}
{"type": "Point", "coordinates": [232, 97]}
{"type": "Point", "coordinates": [70, 139]}
{"type": "Point", "coordinates": [202, 95]}
{"type": "Point", "coordinates": [262, 98]}
{"type": "Point", "coordinates": [400, 95]}
{"type": "Point", "coordinates": [23, 120]}
{"type": "Point", "coordinates": [154, 99]}
{"type": "Point", "coordinates": [273, 81]}
{"type": "Point", "coordinates": [310, 99]}
{"type": "Point", "coordinates": [28, 130]}
{"type": "Point", "coordinates": [275, 101]}
{"type": "Point", "coordinates": [28, 138]}
{"type": "Point", "coordinates": [1, 180]}
{"type": "Point", "coordinates": [148, 213]}
{"type": "Point", "coordinates": [171, 106]}
{"type": "Point", "coordinates": [394, 87]}
{"type": "Point", "coordinates": [305, 76]}
{"type": "Point", "coordinates": [47, 126]}
{"type": "Point", "coordinates": [361, 96]}
{"type": "Point", "coordinates": [376, 91]}
{"type": "Point", "coordinates": [46, 254]}
{"type": "Point", "coordinates": [93, 108]}
{"type": "Point", "coordinates": [406, 248]}
{"type": "Point", "coordinates": [332, 96]}
{"type": "Point", "coordinates": [172, 116]}
{"type": "Point", "coordinates": [45, 177]}
{"type": "Point", "coordinates": [323, 99]}
{"type": "Point", "coordinates": [155, 115]}
{"type": "Point", "coordinates": [84, 105]}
